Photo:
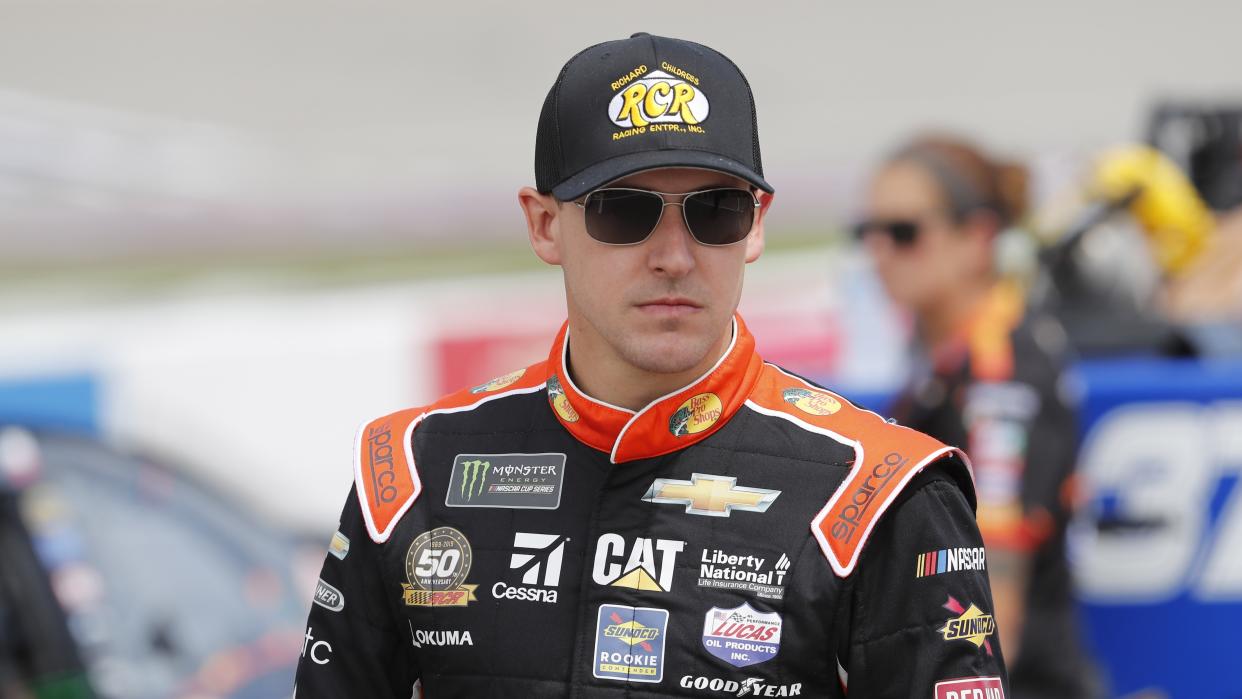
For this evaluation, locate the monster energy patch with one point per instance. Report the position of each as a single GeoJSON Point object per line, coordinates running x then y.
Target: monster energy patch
{"type": "Point", "coordinates": [518, 481]}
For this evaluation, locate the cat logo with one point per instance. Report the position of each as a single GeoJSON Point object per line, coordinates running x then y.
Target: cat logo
{"type": "Point", "coordinates": [646, 565]}
{"type": "Point", "coordinates": [658, 97]}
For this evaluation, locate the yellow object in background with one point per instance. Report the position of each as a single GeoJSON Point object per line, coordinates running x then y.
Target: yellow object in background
{"type": "Point", "coordinates": [1175, 218]}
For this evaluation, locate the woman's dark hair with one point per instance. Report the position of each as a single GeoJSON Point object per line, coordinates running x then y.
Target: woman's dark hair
{"type": "Point", "coordinates": [971, 180]}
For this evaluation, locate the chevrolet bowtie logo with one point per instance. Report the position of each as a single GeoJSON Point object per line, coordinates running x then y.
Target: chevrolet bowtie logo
{"type": "Point", "coordinates": [714, 496]}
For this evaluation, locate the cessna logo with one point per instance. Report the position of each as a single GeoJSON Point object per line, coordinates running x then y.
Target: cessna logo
{"type": "Point", "coordinates": [538, 558]}
{"type": "Point", "coordinates": [714, 496]}
{"type": "Point", "coordinates": [647, 564]}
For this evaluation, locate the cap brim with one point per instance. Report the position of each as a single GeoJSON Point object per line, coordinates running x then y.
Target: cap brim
{"type": "Point", "coordinates": [604, 172]}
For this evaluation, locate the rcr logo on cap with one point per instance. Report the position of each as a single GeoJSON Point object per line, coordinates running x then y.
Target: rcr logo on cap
{"type": "Point", "coordinates": [655, 98]}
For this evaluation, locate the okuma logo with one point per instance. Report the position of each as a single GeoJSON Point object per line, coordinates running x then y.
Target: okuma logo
{"type": "Point", "coordinates": [537, 557]}
{"type": "Point", "coordinates": [645, 564]}
{"type": "Point", "coordinates": [658, 98]}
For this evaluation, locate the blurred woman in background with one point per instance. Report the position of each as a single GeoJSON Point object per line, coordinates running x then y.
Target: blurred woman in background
{"type": "Point", "coordinates": [987, 378]}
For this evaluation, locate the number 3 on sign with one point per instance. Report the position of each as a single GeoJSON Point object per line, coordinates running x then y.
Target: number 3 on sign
{"type": "Point", "coordinates": [1154, 471]}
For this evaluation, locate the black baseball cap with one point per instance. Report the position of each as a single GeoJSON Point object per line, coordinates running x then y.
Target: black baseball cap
{"type": "Point", "coordinates": [645, 102]}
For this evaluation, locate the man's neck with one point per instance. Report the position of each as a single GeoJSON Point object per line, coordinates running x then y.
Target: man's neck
{"type": "Point", "coordinates": [603, 375]}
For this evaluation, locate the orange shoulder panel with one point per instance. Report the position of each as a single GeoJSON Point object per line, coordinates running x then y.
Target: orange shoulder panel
{"type": "Point", "coordinates": [887, 457]}
{"type": "Point", "coordinates": [384, 471]}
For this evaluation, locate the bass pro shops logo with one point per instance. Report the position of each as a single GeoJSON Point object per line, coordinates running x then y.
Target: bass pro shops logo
{"type": "Point", "coordinates": [695, 415]}
{"type": "Point", "coordinates": [811, 402]}
{"type": "Point", "coordinates": [651, 101]}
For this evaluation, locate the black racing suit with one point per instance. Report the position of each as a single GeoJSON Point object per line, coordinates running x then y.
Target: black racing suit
{"type": "Point", "coordinates": [38, 655]}
{"type": "Point", "coordinates": [998, 389]}
{"type": "Point", "coordinates": [749, 535]}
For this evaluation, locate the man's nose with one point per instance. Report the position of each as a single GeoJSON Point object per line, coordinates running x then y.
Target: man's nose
{"type": "Point", "coordinates": [670, 248]}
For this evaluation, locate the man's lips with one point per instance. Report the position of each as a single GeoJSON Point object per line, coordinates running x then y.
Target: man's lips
{"type": "Point", "coordinates": [672, 305]}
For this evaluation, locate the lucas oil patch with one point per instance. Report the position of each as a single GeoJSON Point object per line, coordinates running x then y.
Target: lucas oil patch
{"type": "Point", "coordinates": [629, 643]}
{"type": "Point", "coordinates": [742, 636]}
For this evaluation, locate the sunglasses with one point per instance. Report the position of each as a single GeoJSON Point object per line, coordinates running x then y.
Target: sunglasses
{"type": "Point", "coordinates": [625, 216]}
{"type": "Point", "coordinates": [903, 233]}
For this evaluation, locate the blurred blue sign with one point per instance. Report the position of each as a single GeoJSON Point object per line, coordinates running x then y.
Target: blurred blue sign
{"type": "Point", "coordinates": [1158, 546]}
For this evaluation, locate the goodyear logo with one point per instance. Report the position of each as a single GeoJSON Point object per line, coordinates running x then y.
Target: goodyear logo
{"type": "Point", "coordinates": [669, 99]}
{"type": "Point", "coordinates": [696, 415]}
{"type": "Point", "coordinates": [811, 402]}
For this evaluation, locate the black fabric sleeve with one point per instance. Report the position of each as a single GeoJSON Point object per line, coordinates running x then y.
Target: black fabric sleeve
{"type": "Point", "coordinates": [353, 644]}
{"type": "Point", "coordinates": [919, 605]}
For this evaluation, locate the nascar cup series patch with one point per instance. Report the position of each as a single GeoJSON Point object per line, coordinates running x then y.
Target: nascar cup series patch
{"type": "Point", "coordinates": [629, 643]}
{"type": "Point", "coordinates": [512, 481]}
{"type": "Point", "coordinates": [742, 636]}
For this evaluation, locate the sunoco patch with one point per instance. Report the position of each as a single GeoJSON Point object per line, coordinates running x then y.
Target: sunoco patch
{"type": "Point", "coordinates": [629, 643]}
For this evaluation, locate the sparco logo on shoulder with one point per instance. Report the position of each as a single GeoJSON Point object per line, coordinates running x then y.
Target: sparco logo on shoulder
{"type": "Point", "coordinates": [862, 497]}
{"type": "Point", "coordinates": [379, 456]}
{"type": "Point", "coordinates": [751, 687]}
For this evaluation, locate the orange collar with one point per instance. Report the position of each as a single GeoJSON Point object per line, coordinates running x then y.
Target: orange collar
{"type": "Point", "coordinates": [673, 422]}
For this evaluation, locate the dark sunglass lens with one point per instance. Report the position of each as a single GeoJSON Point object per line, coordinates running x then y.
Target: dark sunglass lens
{"type": "Point", "coordinates": [622, 216]}
{"type": "Point", "coordinates": [904, 233]}
{"type": "Point", "coordinates": [720, 216]}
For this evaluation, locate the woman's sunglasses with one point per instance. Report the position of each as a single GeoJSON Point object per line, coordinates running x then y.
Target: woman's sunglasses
{"type": "Point", "coordinates": [625, 216]}
{"type": "Point", "coordinates": [903, 233]}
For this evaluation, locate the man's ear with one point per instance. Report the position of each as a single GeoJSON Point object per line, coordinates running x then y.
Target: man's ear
{"type": "Point", "coordinates": [755, 242]}
{"type": "Point", "coordinates": [542, 227]}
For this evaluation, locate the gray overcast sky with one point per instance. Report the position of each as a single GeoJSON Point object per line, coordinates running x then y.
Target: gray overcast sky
{"type": "Point", "coordinates": [362, 118]}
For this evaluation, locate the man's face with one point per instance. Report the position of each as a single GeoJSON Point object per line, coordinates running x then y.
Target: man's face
{"type": "Point", "coordinates": [665, 304]}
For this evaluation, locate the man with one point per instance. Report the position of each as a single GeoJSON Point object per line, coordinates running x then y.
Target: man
{"type": "Point", "coordinates": [653, 511]}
